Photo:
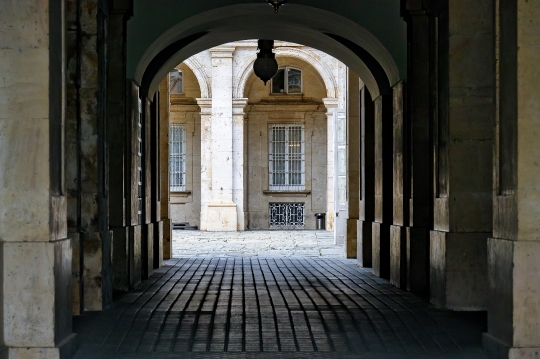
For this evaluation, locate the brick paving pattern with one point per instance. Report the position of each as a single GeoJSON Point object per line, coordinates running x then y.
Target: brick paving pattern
{"type": "Point", "coordinates": [254, 307]}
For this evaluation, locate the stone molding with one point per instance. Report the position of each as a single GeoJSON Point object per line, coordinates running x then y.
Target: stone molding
{"type": "Point", "coordinates": [321, 67]}
{"type": "Point", "coordinates": [202, 76]}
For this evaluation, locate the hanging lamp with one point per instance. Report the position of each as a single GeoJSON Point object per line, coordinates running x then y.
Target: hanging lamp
{"type": "Point", "coordinates": [266, 66]}
{"type": "Point", "coordinates": [276, 3]}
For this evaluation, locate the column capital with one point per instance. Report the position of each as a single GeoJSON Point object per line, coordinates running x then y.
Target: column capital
{"type": "Point", "coordinates": [206, 105]}
{"type": "Point", "coordinates": [222, 51]}
{"type": "Point", "coordinates": [331, 103]}
{"type": "Point", "coordinates": [240, 103]}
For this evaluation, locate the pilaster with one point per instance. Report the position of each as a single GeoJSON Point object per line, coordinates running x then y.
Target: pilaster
{"type": "Point", "coordinates": [206, 157]}
{"type": "Point", "coordinates": [331, 105]}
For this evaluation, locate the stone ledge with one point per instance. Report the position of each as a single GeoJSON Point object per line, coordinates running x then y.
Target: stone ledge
{"type": "Point", "coordinates": [287, 193]}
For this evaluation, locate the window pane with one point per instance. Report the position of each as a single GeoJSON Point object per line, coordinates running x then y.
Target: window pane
{"type": "Point", "coordinates": [177, 157]}
{"type": "Point", "coordinates": [342, 188]}
{"type": "Point", "coordinates": [176, 84]}
{"type": "Point", "coordinates": [295, 81]}
{"type": "Point", "coordinates": [278, 82]}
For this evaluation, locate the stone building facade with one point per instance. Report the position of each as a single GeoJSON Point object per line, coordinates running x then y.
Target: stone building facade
{"type": "Point", "coordinates": [257, 110]}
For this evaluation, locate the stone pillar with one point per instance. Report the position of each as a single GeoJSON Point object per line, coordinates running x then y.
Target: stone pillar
{"type": "Point", "coordinates": [418, 175]}
{"type": "Point", "coordinates": [331, 104]}
{"type": "Point", "coordinates": [398, 237]}
{"type": "Point", "coordinates": [463, 140]}
{"type": "Point", "coordinates": [353, 162]}
{"type": "Point", "coordinates": [165, 210]}
{"type": "Point", "coordinates": [514, 251]}
{"type": "Point", "coordinates": [35, 251]}
{"type": "Point", "coordinates": [222, 212]}
{"type": "Point", "coordinates": [383, 186]}
{"type": "Point", "coordinates": [367, 180]}
{"type": "Point", "coordinates": [117, 141]}
{"type": "Point", "coordinates": [239, 195]}
{"type": "Point", "coordinates": [206, 157]}
{"type": "Point", "coordinates": [88, 210]}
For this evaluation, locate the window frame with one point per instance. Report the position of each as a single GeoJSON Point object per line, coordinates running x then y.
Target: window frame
{"type": "Point", "coordinates": [182, 87]}
{"type": "Point", "coordinates": [286, 187]}
{"type": "Point", "coordinates": [286, 81]}
{"type": "Point", "coordinates": [181, 156]}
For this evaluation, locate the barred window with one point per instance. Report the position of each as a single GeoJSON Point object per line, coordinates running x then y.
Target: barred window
{"type": "Point", "coordinates": [287, 215]}
{"type": "Point", "coordinates": [287, 80]}
{"type": "Point", "coordinates": [287, 163]}
{"type": "Point", "coordinates": [176, 82]}
{"type": "Point", "coordinates": [177, 148]}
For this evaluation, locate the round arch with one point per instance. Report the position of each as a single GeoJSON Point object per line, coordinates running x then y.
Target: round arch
{"type": "Point", "coordinates": [324, 71]}
{"type": "Point", "coordinates": [201, 75]}
{"type": "Point", "coordinates": [341, 38]}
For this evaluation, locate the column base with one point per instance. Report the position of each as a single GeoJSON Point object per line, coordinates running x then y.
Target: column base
{"type": "Point", "coordinates": [121, 258]}
{"type": "Point", "coordinates": [398, 256]}
{"type": "Point", "coordinates": [381, 250]}
{"type": "Point", "coordinates": [167, 239]}
{"type": "Point", "coordinates": [222, 217]}
{"type": "Point", "coordinates": [458, 270]}
{"type": "Point", "coordinates": [497, 349]}
{"type": "Point", "coordinates": [364, 248]}
{"type": "Point", "coordinates": [351, 242]}
{"type": "Point", "coordinates": [147, 252]}
{"type": "Point", "coordinates": [417, 259]}
{"type": "Point", "coordinates": [158, 245]}
{"type": "Point", "coordinates": [65, 350]}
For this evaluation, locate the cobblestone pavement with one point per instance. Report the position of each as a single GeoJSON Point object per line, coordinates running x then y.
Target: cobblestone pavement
{"type": "Point", "coordinates": [254, 307]}
{"type": "Point", "coordinates": [256, 243]}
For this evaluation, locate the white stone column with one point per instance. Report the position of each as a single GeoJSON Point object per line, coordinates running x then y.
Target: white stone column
{"type": "Point", "coordinates": [331, 104]}
{"type": "Point", "coordinates": [206, 158]}
{"type": "Point", "coordinates": [222, 211]}
{"type": "Point", "coordinates": [239, 196]}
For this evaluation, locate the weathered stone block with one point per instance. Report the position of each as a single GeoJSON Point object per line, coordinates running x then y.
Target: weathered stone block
{"type": "Point", "coordinates": [351, 243]}
{"type": "Point", "coordinates": [147, 249]}
{"type": "Point", "coordinates": [398, 256]}
{"type": "Point", "coordinates": [135, 260]}
{"type": "Point", "coordinates": [120, 261]}
{"type": "Point", "coordinates": [417, 259]}
{"type": "Point", "coordinates": [158, 244]}
{"type": "Point", "coordinates": [92, 274]}
{"type": "Point", "coordinates": [364, 247]}
{"type": "Point", "coordinates": [458, 275]}
{"type": "Point", "coordinates": [381, 250]}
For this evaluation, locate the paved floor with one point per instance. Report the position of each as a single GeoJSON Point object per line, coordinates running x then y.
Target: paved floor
{"type": "Point", "coordinates": [255, 243]}
{"type": "Point", "coordinates": [253, 307]}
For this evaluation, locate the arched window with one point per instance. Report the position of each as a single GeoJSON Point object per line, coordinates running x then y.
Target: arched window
{"type": "Point", "coordinates": [176, 82]}
{"type": "Point", "coordinates": [288, 80]}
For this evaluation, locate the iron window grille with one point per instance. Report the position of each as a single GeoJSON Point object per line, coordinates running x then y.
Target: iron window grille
{"type": "Point", "coordinates": [287, 159]}
{"type": "Point", "coordinates": [287, 80]}
{"type": "Point", "coordinates": [287, 215]}
{"type": "Point", "coordinates": [176, 82]}
{"type": "Point", "coordinates": [177, 143]}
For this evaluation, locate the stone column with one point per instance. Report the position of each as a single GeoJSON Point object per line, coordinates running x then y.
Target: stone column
{"type": "Point", "coordinates": [87, 161]}
{"type": "Point", "coordinates": [353, 162]}
{"type": "Point", "coordinates": [222, 212]}
{"type": "Point", "coordinates": [514, 251]}
{"type": "Point", "coordinates": [206, 157]}
{"type": "Point", "coordinates": [463, 140]}
{"type": "Point", "coordinates": [35, 251]}
{"type": "Point", "coordinates": [416, 212]}
{"type": "Point", "coordinates": [398, 237]}
{"type": "Point", "coordinates": [331, 104]}
{"type": "Point", "coordinates": [165, 208]}
{"type": "Point", "coordinates": [239, 195]}
{"type": "Point", "coordinates": [367, 178]}
{"type": "Point", "coordinates": [383, 186]}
